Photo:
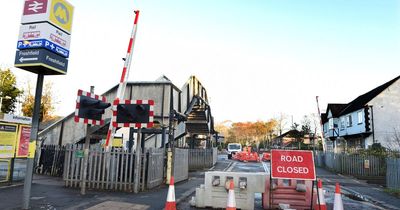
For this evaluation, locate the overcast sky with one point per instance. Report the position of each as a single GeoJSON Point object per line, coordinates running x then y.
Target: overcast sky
{"type": "Point", "coordinates": [256, 58]}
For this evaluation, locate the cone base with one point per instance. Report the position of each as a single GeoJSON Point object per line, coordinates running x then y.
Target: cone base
{"type": "Point", "coordinates": [170, 206]}
{"type": "Point", "coordinates": [320, 207]}
{"type": "Point", "coordinates": [230, 208]}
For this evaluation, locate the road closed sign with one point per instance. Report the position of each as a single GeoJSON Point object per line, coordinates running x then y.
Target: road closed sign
{"type": "Point", "coordinates": [292, 164]}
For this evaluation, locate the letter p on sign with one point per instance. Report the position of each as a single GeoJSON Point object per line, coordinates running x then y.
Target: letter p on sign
{"type": "Point", "coordinates": [292, 164]}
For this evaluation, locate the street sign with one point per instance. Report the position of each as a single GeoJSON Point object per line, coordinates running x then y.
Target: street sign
{"type": "Point", "coordinates": [57, 12]}
{"type": "Point", "coordinates": [44, 31]}
{"type": "Point", "coordinates": [34, 60]}
{"type": "Point", "coordinates": [292, 164]}
{"type": "Point", "coordinates": [133, 113]}
{"type": "Point", "coordinates": [42, 43]}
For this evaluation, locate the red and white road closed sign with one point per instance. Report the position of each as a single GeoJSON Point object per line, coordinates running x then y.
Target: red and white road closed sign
{"type": "Point", "coordinates": [292, 164]}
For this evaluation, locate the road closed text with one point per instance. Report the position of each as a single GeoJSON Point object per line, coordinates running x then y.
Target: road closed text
{"type": "Point", "coordinates": [290, 164]}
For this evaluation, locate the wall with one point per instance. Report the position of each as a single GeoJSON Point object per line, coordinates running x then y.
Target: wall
{"type": "Point", "coordinates": [386, 115]}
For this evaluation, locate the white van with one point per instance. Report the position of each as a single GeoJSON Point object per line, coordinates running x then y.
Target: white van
{"type": "Point", "coordinates": [233, 148]}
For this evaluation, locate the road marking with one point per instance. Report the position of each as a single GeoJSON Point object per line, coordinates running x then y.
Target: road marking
{"type": "Point", "coordinates": [231, 166]}
{"type": "Point", "coordinates": [266, 168]}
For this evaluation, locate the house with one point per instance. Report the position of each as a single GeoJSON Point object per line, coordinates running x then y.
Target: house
{"type": "Point", "coordinates": [290, 139]}
{"type": "Point", "coordinates": [373, 117]}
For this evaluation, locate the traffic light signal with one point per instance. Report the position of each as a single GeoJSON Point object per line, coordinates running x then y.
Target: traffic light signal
{"type": "Point", "coordinates": [133, 113]}
{"type": "Point", "coordinates": [367, 115]}
{"type": "Point", "coordinates": [90, 108]}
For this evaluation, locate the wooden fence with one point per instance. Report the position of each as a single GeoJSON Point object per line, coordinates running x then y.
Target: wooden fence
{"type": "Point", "coordinates": [202, 158]}
{"type": "Point", "coordinates": [155, 167]}
{"type": "Point", "coordinates": [393, 173]}
{"type": "Point", "coordinates": [106, 170]}
{"type": "Point", "coordinates": [181, 164]}
{"type": "Point", "coordinates": [113, 170]}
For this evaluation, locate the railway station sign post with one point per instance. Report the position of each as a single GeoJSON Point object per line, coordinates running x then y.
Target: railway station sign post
{"type": "Point", "coordinates": [43, 49]}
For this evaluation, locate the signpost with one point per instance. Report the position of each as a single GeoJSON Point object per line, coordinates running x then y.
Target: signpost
{"type": "Point", "coordinates": [43, 48]}
{"type": "Point", "coordinates": [292, 164]}
{"type": "Point", "coordinates": [42, 43]}
{"type": "Point", "coordinates": [45, 31]}
{"type": "Point", "coordinates": [41, 61]}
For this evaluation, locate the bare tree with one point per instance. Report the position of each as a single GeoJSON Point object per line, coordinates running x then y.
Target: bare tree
{"type": "Point", "coordinates": [281, 123]}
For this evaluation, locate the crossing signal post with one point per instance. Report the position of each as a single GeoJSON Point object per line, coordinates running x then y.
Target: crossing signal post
{"type": "Point", "coordinates": [90, 109]}
{"type": "Point", "coordinates": [135, 114]}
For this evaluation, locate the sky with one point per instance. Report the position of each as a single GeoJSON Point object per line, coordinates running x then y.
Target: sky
{"type": "Point", "coordinates": [268, 56]}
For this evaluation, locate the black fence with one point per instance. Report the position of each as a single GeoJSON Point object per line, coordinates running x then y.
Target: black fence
{"type": "Point", "coordinates": [51, 160]}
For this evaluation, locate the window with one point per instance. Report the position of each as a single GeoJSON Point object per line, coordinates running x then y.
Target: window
{"type": "Point", "coordinates": [342, 123]}
{"type": "Point", "coordinates": [330, 123]}
{"type": "Point", "coordinates": [349, 122]}
{"type": "Point", "coordinates": [360, 117]}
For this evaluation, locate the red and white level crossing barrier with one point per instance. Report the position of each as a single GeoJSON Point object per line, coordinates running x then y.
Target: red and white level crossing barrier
{"type": "Point", "coordinates": [124, 75]}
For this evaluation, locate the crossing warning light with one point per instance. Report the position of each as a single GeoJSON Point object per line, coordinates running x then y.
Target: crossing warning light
{"type": "Point", "coordinates": [90, 108]}
{"type": "Point", "coordinates": [133, 113]}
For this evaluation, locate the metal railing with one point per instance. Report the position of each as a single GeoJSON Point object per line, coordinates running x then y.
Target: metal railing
{"type": "Point", "coordinates": [393, 173]}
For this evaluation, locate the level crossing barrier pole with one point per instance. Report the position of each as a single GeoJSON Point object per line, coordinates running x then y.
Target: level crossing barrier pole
{"type": "Point", "coordinates": [124, 77]}
{"type": "Point", "coordinates": [32, 142]}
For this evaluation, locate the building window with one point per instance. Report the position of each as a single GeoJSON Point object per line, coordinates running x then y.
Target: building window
{"type": "Point", "coordinates": [342, 123]}
{"type": "Point", "coordinates": [330, 123]}
{"type": "Point", "coordinates": [349, 122]}
{"type": "Point", "coordinates": [360, 117]}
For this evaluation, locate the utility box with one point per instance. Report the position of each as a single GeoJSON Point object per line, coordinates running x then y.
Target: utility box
{"type": "Point", "coordinates": [214, 192]}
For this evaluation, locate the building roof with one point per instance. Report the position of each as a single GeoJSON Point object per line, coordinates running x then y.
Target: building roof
{"type": "Point", "coordinates": [290, 133]}
{"type": "Point", "coordinates": [336, 109]}
{"type": "Point", "coordinates": [362, 100]}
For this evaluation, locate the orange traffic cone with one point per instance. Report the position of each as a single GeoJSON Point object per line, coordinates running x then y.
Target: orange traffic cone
{"type": "Point", "coordinates": [321, 205]}
{"type": "Point", "coordinates": [231, 204]}
{"type": "Point", "coordinates": [171, 204]}
{"type": "Point", "coordinates": [338, 203]}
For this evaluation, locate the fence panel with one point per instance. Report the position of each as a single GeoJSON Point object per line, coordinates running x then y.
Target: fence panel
{"type": "Point", "coordinates": [181, 164]}
{"type": "Point", "coordinates": [202, 158]}
{"type": "Point", "coordinates": [106, 170]}
{"type": "Point", "coordinates": [155, 167]}
{"type": "Point", "coordinates": [51, 161]}
{"type": "Point", "coordinates": [393, 173]}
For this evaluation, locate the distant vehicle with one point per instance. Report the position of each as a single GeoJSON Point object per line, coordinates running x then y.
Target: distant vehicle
{"type": "Point", "coordinates": [233, 148]}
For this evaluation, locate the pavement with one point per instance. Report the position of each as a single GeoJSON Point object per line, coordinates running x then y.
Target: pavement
{"type": "Point", "coordinates": [357, 194]}
{"type": "Point", "coordinates": [50, 193]}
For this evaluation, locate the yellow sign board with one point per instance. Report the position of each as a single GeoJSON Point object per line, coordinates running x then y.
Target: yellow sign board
{"type": "Point", "coordinates": [117, 142]}
{"type": "Point", "coordinates": [8, 137]}
{"type": "Point", "coordinates": [61, 14]}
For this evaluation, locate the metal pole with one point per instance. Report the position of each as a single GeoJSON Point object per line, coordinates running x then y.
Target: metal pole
{"type": "Point", "coordinates": [86, 155]}
{"type": "Point", "coordinates": [137, 161]}
{"type": "Point", "coordinates": [32, 143]}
